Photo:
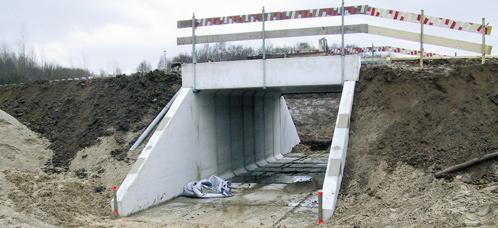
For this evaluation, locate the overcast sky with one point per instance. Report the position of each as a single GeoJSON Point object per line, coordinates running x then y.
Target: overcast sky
{"type": "Point", "coordinates": [103, 34]}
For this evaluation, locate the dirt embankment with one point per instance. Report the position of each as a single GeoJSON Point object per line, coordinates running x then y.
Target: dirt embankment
{"type": "Point", "coordinates": [73, 115]}
{"type": "Point", "coordinates": [90, 125]}
{"type": "Point", "coordinates": [409, 123]}
{"type": "Point", "coordinates": [431, 118]}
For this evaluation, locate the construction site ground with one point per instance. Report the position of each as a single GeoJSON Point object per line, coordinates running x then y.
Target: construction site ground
{"type": "Point", "coordinates": [65, 143]}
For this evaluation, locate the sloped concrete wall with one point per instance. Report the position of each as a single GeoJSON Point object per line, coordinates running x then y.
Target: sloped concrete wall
{"type": "Point", "coordinates": [223, 133]}
{"type": "Point", "coordinates": [338, 151]}
{"type": "Point", "coordinates": [167, 161]}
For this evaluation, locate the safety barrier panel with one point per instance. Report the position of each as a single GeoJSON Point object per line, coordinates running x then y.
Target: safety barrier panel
{"type": "Point", "coordinates": [336, 11]}
{"type": "Point", "coordinates": [348, 29]}
{"type": "Point", "coordinates": [422, 19]}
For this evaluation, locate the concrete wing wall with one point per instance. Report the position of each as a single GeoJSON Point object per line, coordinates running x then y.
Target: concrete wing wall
{"type": "Point", "coordinates": [289, 135]}
{"type": "Point", "coordinates": [166, 163]}
{"type": "Point", "coordinates": [338, 151]}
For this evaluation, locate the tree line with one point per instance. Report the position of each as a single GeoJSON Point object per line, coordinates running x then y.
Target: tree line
{"type": "Point", "coordinates": [22, 67]}
{"type": "Point", "coordinates": [16, 67]}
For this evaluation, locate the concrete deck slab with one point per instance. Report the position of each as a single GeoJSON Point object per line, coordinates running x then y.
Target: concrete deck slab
{"type": "Point", "coordinates": [285, 74]}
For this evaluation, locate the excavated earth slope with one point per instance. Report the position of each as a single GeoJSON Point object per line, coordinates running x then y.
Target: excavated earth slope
{"type": "Point", "coordinates": [74, 114]}
{"type": "Point", "coordinates": [409, 123]}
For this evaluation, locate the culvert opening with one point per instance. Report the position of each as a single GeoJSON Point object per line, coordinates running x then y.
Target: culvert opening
{"type": "Point", "coordinates": [303, 169]}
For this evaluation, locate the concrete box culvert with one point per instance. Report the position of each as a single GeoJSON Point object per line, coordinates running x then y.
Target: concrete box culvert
{"type": "Point", "coordinates": [227, 129]}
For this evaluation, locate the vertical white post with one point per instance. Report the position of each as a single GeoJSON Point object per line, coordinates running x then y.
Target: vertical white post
{"type": "Point", "coordinates": [263, 31]}
{"type": "Point", "coordinates": [194, 55]}
{"type": "Point", "coordinates": [422, 19]}
{"type": "Point", "coordinates": [342, 42]}
{"type": "Point", "coordinates": [483, 58]}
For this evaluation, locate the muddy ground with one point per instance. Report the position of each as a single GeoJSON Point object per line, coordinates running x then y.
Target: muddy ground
{"type": "Point", "coordinates": [406, 125]}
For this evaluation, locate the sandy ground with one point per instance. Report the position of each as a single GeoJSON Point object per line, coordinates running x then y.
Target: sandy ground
{"type": "Point", "coordinates": [20, 149]}
{"type": "Point", "coordinates": [409, 196]}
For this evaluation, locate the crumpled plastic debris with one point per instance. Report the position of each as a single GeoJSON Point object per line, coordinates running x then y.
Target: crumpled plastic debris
{"type": "Point", "coordinates": [214, 187]}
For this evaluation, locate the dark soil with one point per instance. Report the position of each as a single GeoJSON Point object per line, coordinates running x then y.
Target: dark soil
{"type": "Point", "coordinates": [74, 114]}
{"type": "Point", "coordinates": [314, 115]}
{"type": "Point", "coordinates": [432, 118]}
{"type": "Point", "coordinates": [317, 145]}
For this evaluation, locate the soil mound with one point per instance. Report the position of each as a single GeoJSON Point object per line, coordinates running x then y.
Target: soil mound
{"type": "Point", "coordinates": [58, 199]}
{"type": "Point", "coordinates": [22, 149]}
{"type": "Point", "coordinates": [19, 146]}
{"type": "Point", "coordinates": [429, 118]}
{"type": "Point", "coordinates": [73, 115]}
{"type": "Point", "coordinates": [409, 123]}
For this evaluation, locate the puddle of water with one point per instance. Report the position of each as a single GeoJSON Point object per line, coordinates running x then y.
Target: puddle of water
{"type": "Point", "coordinates": [272, 179]}
{"type": "Point", "coordinates": [288, 179]}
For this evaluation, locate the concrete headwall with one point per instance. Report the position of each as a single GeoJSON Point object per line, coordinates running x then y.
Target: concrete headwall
{"type": "Point", "coordinates": [317, 71]}
{"type": "Point", "coordinates": [223, 133]}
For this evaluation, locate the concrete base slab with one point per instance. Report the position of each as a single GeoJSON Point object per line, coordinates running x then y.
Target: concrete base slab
{"type": "Point", "coordinates": [265, 203]}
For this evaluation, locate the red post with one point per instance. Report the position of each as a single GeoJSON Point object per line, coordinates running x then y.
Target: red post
{"type": "Point", "coordinates": [115, 211]}
{"type": "Point", "coordinates": [320, 207]}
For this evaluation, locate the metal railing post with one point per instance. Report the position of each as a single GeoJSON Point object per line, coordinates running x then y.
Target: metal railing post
{"type": "Point", "coordinates": [373, 51]}
{"type": "Point", "coordinates": [194, 54]}
{"type": "Point", "coordinates": [422, 19]}
{"type": "Point", "coordinates": [263, 33]}
{"type": "Point", "coordinates": [483, 58]}
{"type": "Point", "coordinates": [342, 43]}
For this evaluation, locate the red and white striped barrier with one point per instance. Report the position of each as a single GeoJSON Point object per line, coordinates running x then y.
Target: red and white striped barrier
{"type": "Point", "coordinates": [336, 11]}
{"type": "Point", "coordinates": [358, 50]}
{"type": "Point", "coordinates": [429, 20]}
{"type": "Point", "coordinates": [275, 16]}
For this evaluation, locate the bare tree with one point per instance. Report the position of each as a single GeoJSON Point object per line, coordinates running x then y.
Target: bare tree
{"type": "Point", "coordinates": [144, 67]}
{"type": "Point", "coordinates": [102, 73]}
{"type": "Point", "coordinates": [163, 62]}
{"type": "Point", "coordinates": [117, 70]}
